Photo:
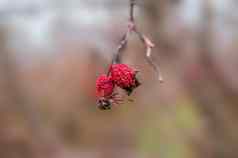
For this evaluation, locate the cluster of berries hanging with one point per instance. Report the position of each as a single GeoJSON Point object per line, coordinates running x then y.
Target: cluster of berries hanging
{"type": "Point", "coordinates": [121, 75]}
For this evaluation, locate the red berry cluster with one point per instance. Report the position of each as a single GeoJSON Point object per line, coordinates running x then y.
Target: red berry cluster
{"type": "Point", "coordinates": [120, 75]}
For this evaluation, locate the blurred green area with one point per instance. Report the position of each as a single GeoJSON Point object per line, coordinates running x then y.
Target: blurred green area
{"type": "Point", "coordinates": [166, 133]}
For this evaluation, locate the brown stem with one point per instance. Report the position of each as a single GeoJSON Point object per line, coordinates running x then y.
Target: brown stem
{"type": "Point", "coordinates": [132, 5]}
{"type": "Point", "coordinates": [149, 45]}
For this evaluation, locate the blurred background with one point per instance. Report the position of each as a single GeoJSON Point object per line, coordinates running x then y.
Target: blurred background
{"type": "Point", "coordinates": [51, 52]}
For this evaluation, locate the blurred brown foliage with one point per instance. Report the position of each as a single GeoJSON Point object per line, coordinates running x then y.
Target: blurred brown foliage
{"type": "Point", "coordinates": [48, 107]}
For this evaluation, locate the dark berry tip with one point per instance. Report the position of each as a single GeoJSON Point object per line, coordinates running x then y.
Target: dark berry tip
{"type": "Point", "coordinates": [137, 83]}
{"type": "Point", "coordinates": [129, 90]}
{"type": "Point", "coordinates": [104, 105]}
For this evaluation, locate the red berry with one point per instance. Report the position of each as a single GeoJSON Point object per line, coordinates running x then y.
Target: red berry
{"type": "Point", "coordinates": [124, 77]}
{"type": "Point", "coordinates": [104, 86]}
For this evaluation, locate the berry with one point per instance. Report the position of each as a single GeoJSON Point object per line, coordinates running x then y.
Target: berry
{"type": "Point", "coordinates": [104, 86]}
{"type": "Point", "coordinates": [124, 77]}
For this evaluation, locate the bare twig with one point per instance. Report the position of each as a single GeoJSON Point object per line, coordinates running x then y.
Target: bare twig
{"type": "Point", "coordinates": [149, 45]}
{"type": "Point", "coordinates": [132, 5]}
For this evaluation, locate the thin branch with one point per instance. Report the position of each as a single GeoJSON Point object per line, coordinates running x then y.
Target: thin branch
{"type": "Point", "coordinates": [149, 45]}
{"type": "Point", "coordinates": [132, 5]}
{"type": "Point", "coordinates": [122, 45]}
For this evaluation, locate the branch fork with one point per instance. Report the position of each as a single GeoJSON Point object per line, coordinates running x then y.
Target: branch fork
{"type": "Point", "coordinates": [149, 45]}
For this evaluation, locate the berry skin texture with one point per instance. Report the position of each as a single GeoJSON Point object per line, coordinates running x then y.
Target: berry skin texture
{"type": "Point", "coordinates": [124, 77]}
{"type": "Point", "coordinates": [104, 86]}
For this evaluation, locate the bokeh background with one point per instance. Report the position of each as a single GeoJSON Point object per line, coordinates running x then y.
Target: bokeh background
{"type": "Point", "coordinates": [51, 52]}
